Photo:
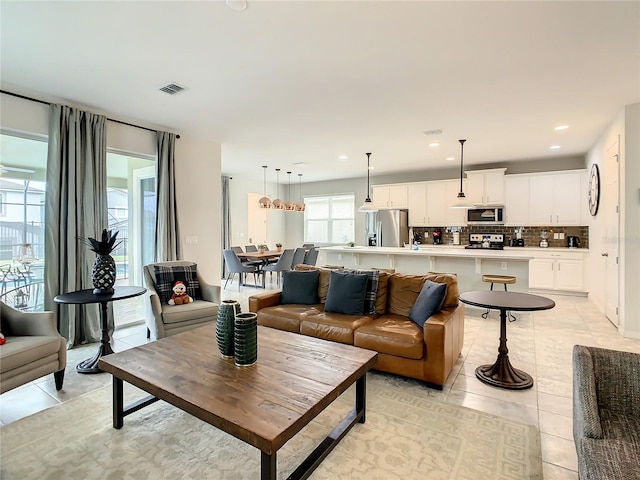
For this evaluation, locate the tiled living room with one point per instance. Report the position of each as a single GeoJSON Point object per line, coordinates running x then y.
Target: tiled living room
{"type": "Point", "coordinates": [539, 342]}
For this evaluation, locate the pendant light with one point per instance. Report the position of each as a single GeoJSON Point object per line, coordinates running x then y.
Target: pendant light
{"type": "Point", "coordinates": [265, 201]}
{"type": "Point", "coordinates": [289, 206]}
{"type": "Point", "coordinates": [461, 200]}
{"type": "Point", "coordinates": [367, 206]}
{"type": "Point", "coordinates": [277, 203]}
{"type": "Point", "coordinates": [300, 206]}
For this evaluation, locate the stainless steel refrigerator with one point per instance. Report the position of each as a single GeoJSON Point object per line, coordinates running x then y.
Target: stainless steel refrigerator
{"type": "Point", "coordinates": [387, 228]}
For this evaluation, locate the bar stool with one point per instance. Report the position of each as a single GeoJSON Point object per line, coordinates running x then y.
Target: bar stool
{"type": "Point", "coordinates": [504, 280]}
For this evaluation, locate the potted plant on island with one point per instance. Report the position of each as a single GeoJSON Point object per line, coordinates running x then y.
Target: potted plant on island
{"type": "Point", "coordinates": [351, 244]}
{"type": "Point", "coordinates": [279, 247]}
{"type": "Point", "coordinates": [262, 247]}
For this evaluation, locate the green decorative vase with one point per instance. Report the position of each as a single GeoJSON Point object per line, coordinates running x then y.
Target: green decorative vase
{"type": "Point", "coordinates": [227, 312]}
{"type": "Point", "coordinates": [246, 339]}
{"type": "Point", "coordinates": [103, 275]}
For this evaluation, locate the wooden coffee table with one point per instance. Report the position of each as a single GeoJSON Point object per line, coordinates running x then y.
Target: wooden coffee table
{"type": "Point", "coordinates": [296, 377]}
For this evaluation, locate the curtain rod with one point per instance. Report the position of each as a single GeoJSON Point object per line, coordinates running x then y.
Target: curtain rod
{"type": "Point", "coordinates": [49, 103]}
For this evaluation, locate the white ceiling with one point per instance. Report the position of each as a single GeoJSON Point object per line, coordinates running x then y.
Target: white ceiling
{"type": "Point", "coordinates": [285, 82]}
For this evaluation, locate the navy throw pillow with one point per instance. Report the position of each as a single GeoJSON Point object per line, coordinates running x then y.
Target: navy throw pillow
{"type": "Point", "coordinates": [346, 293]}
{"type": "Point", "coordinates": [429, 301]}
{"type": "Point", "coordinates": [300, 286]}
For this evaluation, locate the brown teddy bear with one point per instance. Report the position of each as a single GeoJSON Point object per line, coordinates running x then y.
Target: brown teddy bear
{"type": "Point", "coordinates": [180, 295]}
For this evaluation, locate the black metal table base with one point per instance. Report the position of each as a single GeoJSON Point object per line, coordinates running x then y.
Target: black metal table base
{"type": "Point", "coordinates": [90, 365]}
{"type": "Point", "coordinates": [268, 466]}
{"type": "Point", "coordinates": [501, 373]}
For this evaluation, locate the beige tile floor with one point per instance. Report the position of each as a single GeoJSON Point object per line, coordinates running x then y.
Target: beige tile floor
{"type": "Point", "coordinates": [540, 343]}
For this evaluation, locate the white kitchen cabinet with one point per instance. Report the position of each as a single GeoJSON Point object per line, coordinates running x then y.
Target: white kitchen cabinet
{"type": "Point", "coordinates": [390, 196]}
{"type": "Point", "coordinates": [417, 193]}
{"type": "Point", "coordinates": [436, 204]}
{"type": "Point", "coordinates": [555, 198]}
{"type": "Point", "coordinates": [455, 217]}
{"type": "Point", "coordinates": [486, 187]}
{"type": "Point", "coordinates": [557, 272]}
{"type": "Point", "coordinates": [516, 200]}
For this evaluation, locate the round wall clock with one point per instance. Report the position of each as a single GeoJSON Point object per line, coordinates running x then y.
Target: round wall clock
{"type": "Point", "coordinates": [594, 189]}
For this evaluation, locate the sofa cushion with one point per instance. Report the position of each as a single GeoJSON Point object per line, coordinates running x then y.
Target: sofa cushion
{"type": "Point", "coordinates": [346, 293]}
{"type": "Point", "coordinates": [287, 317]}
{"type": "Point", "coordinates": [300, 287]}
{"type": "Point", "coordinates": [403, 293]}
{"type": "Point", "coordinates": [337, 327]}
{"type": "Point", "coordinates": [166, 276]}
{"type": "Point", "coordinates": [393, 335]}
{"type": "Point", "coordinates": [371, 294]}
{"type": "Point", "coordinates": [429, 301]}
{"type": "Point", "coordinates": [21, 351]}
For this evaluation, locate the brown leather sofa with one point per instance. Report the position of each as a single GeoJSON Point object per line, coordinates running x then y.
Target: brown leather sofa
{"type": "Point", "coordinates": [404, 348]}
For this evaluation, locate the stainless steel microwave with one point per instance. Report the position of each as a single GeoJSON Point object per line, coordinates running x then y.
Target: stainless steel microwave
{"type": "Point", "coordinates": [485, 216]}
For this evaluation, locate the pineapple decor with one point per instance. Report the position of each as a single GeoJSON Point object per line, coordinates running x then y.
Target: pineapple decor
{"type": "Point", "coordinates": [103, 274]}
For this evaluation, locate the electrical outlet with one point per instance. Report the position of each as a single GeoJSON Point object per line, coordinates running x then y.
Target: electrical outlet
{"type": "Point", "coordinates": [339, 256]}
{"type": "Point", "coordinates": [561, 236]}
{"type": "Point", "coordinates": [555, 236]}
{"type": "Point", "coordinates": [191, 240]}
{"type": "Point", "coordinates": [503, 265]}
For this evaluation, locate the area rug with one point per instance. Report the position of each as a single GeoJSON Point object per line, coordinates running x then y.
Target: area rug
{"type": "Point", "coordinates": [407, 435]}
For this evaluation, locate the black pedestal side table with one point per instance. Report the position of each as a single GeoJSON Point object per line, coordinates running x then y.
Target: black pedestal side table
{"type": "Point", "coordinates": [83, 297]}
{"type": "Point", "coordinates": [501, 373]}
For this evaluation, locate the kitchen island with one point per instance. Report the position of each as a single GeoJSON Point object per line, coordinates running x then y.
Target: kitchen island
{"type": "Point", "coordinates": [538, 269]}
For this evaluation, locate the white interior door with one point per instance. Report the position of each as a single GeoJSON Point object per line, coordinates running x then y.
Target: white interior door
{"type": "Point", "coordinates": [610, 196]}
{"type": "Point", "coordinates": [258, 219]}
{"type": "Point", "coordinates": [142, 222]}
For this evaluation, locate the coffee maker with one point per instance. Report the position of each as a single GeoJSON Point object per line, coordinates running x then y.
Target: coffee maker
{"type": "Point", "coordinates": [573, 242]}
{"type": "Point", "coordinates": [437, 236]}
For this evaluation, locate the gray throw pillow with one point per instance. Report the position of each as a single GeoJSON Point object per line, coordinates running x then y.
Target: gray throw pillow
{"type": "Point", "coordinates": [371, 294]}
{"type": "Point", "coordinates": [346, 293]}
{"type": "Point", "coordinates": [300, 287]}
{"type": "Point", "coordinates": [429, 301]}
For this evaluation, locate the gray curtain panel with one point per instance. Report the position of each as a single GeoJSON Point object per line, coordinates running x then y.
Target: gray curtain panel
{"type": "Point", "coordinates": [168, 245]}
{"type": "Point", "coordinates": [226, 219]}
{"type": "Point", "coordinates": [75, 208]}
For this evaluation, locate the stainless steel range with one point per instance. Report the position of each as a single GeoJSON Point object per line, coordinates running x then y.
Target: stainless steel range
{"type": "Point", "coordinates": [488, 241]}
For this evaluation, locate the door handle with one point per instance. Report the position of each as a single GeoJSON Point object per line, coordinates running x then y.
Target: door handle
{"type": "Point", "coordinates": [605, 254]}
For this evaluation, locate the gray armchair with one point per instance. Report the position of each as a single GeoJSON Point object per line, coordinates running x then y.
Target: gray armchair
{"type": "Point", "coordinates": [606, 413]}
{"type": "Point", "coordinates": [34, 348]}
{"type": "Point", "coordinates": [165, 320]}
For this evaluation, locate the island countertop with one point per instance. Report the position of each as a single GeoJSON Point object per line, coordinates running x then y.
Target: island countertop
{"type": "Point", "coordinates": [515, 253]}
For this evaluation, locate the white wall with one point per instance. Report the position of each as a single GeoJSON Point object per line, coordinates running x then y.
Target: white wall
{"type": "Point", "coordinates": [625, 126]}
{"type": "Point", "coordinates": [198, 186]}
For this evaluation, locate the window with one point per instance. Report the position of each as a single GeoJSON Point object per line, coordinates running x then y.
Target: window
{"type": "Point", "coordinates": [329, 219]}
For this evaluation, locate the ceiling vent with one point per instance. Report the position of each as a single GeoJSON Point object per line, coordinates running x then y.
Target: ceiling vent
{"type": "Point", "coordinates": [171, 88]}
{"type": "Point", "coordinates": [433, 132]}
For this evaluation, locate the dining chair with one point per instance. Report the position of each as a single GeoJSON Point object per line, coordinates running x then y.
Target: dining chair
{"type": "Point", "coordinates": [298, 256]}
{"type": "Point", "coordinates": [311, 257]}
{"type": "Point", "coordinates": [237, 249]}
{"type": "Point", "coordinates": [283, 264]}
{"type": "Point", "coordinates": [234, 265]}
{"type": "Point", "coordinates": [308, 245]}
{"type": "Point", "coordinates": [250, 248]}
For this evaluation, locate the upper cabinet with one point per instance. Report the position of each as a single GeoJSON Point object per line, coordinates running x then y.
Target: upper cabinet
{"type": "Point", "coordinates": [390, 196]}
{"type": "Point", "coordinates": [417, 193]}
{"type": "Point", "coordinates": [516, 200]}
{"type": "Point", "coordinates": [486, 187]}
{"type": "Point", "coordinates": [556, 198]}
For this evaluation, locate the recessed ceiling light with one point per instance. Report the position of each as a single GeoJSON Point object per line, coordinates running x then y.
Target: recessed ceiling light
{"type": "Point", "coordinates": [450, 158]}
{"type": "Point", "coordinates": [435, 144]}
{"type": "Point", "coordinates": [237, 5]}
{"type": "Point", "coordinates": [300, 164]}
{"type": "Point", "coordinates": [562, 127]}
{"type": "Point", "coordinates": [343, 157]}
{"type": "Point", "coordinates": [554, 147]}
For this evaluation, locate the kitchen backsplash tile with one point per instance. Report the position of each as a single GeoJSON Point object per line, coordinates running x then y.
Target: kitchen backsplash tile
{"type": "Point", "coordinates": [531, 235]}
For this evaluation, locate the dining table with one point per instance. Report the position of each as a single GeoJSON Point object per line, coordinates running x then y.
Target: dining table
{"type": "Point", "coordinates": [264, 256]}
